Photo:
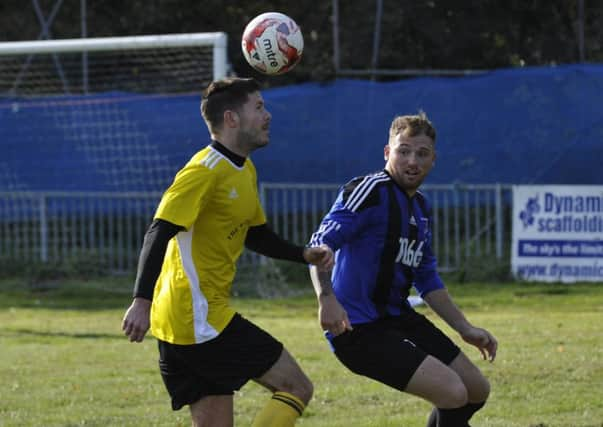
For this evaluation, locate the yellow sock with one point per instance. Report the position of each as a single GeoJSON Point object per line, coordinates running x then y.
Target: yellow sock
{"type": "Point", "coordinates": [281, 411]}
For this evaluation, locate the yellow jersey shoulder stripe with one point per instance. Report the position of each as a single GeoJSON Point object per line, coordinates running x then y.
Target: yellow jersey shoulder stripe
{"type": "Point", "coordinates": [211, 159]}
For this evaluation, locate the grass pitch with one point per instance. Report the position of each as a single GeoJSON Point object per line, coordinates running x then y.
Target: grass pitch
{"type": "Point", "coordinates": [64, 360]}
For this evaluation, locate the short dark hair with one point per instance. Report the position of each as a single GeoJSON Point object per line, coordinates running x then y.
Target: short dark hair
{"type": "Point", "coordinates": [415, 125]}
{"type": "Point", "coordinates": [226, 94]}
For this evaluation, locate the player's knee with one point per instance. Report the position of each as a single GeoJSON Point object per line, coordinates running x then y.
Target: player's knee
{"type": "Point", "coordinates": [481, 390]}
{"type": "Point", "coordinates": [198, 421]}
{"type": "Point", "coordinates": [300, 387]}
{"type": "Point", "coordinates": [202, 421]}
{"type": "Point", "coordinates": [478, 387]}
{"type": "Point", "coordinates": [304, 390]}
{"type": "Point", "coordinates": [456, 396]}
{"type": "Point", "coordinates": [459, 397]}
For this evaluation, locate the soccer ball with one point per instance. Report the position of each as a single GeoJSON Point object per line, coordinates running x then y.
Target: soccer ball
{"type": "Point", "coordinates": [272, 43]}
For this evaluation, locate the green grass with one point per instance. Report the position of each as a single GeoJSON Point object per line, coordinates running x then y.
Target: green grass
{"type": "Point", "coordinates": [65, 362]}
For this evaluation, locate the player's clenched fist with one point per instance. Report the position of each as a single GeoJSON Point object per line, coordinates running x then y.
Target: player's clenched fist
{"type": "Point", "coordinates": [321, 256]}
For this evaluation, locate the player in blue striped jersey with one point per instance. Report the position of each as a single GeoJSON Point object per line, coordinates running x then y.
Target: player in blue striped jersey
{"type": "Point", "coordinates": [380, 227]}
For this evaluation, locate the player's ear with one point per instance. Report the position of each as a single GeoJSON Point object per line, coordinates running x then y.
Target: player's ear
{"type": "Point", "coordinates": [386, 152]}
{"type": "Point", "coordinates": [231, 119]}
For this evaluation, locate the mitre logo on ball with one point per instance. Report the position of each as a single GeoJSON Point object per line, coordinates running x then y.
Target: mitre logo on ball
{"type": "Point", "coordinates": [272, 43]}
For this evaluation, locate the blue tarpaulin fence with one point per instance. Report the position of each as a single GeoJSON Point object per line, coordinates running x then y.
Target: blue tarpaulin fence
{"type": "Point", "coordinates": [521, 126]}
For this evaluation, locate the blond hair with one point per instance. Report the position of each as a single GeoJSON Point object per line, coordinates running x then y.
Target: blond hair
{"type": "Point", "coordinates": [412, 125]}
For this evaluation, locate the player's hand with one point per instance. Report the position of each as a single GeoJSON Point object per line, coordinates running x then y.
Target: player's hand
{"type": "Point", "coordinates": [136, 321]}
{"type": "Point", "coordinates": [332, 316]}
{"type": "Point", "coordinates": [321, 256]}
{"type": "Point", "coordinates": [483, 340]}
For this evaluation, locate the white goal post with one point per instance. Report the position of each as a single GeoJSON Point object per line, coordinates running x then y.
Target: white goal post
{"type": "Point", "coordinates": [135, 63]}
{"type": "Point", "coordinates": [218, 40]}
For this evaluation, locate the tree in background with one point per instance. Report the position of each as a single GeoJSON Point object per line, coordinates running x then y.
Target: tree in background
{"type": "Point", "coordinates": [434, 34]}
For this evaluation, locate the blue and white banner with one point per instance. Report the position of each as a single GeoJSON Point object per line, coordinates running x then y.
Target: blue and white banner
{"type": "Point", "coordinates": [558, 233]}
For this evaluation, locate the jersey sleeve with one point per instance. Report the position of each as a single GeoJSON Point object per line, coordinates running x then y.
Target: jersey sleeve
{"type": "Point", "coordinates": [427, 278]}
{"type": "Point", "coordinates": [346, 219]}
{"type": "Point", "coordinates": [263, 240]}
{"type": "Point", "coordinates": [153, 249]}
{"type": "Point", "coordinates": [183, 200]}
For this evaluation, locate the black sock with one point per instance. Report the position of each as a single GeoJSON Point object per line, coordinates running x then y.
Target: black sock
{"type": "Point", "coordinates": [456, 417]}
{"type": "Point", "coordinates": [433, 418]}
{"type": "Point", "coordinates": [472, 408]}
{"type": "Point", "coordinates": [451, 418]}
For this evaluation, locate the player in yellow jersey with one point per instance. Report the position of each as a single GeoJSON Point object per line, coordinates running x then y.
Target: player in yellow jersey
{"type": "Point", "coordinates": [187, 265]}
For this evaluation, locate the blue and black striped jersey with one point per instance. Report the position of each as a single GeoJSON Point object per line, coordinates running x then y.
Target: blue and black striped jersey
{"type": "Point", "coordinates": [382, 238]}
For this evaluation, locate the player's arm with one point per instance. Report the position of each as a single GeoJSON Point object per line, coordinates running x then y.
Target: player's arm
{"type": "Point", "coordinates": [136, 320]}
{"type": "Point", "coordinates": [343, 222]}
{"type": "Point", "coordinates": [432, 290]}
{"type": "Point", "coordinates": [263, 240]}
{"type": "Point", "coordinates": [338, 226]}
{"type": "Point", "coordinates": [331, 315]}
{"type": "Point", "coordinates": [441, 302]}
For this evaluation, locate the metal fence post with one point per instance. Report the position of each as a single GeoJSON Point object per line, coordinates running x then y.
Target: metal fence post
{"type": "Point", "coordinates": [43, 229]}
{"type": "Point", "coordinates": [499, 221]}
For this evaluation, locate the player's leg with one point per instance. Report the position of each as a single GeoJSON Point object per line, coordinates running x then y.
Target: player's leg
{"type": "Point", "coordinates": [444, 388]}
{"type": "Point", "coordinates": [204, 376]}
{"type": "Point", "coordinates": [383, 352]}
{"type": "Point", "coordinates": [438, 345]}
{"type": "Point", "coordinates": [182, 370]}
{"type": "Point", "coordinates": [211, 411]}
{"type": "Point", "coordinates": [292, 390]}
{"type": "Point", "coordinates": [437, 383]}
{"type": "Point", "coordinates": [478, 387]}
{"type": "Point", "coordinates": [286, 375]}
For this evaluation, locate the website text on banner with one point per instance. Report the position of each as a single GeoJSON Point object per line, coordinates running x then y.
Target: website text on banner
{"type": "Point", "coordinates": [558, 233]}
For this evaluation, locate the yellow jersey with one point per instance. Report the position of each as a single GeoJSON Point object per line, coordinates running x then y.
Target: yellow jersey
{"type": "Point", "coordinates": [216, 201]}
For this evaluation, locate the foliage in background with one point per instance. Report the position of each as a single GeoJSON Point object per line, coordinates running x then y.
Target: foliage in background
{"type": "Point", "coordinates": [487, 269]}
{"type": "Point", "coordinates": [267, 278]}
{"type": "Point", "coordinates": [436, 34]}
{"type": "Point", "coordinates": [84, 266]}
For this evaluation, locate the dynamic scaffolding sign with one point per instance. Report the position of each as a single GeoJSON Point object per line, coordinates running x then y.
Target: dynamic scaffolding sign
{"type": "Point", "coordinates": [558, 233]}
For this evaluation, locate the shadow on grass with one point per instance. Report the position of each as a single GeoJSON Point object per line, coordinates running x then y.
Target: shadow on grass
{"type": "Point", "coordinates": [116, 293]}
{"type": "Point", "coordinates": [31, 332]}
{"type": "Point", "coordinates": [552, 290]}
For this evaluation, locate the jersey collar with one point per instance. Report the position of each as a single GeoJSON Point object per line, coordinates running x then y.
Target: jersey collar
{"type": "Point", "coordinates": [235, 158]}
{"type": "Point", "coordinates": [402, 190]}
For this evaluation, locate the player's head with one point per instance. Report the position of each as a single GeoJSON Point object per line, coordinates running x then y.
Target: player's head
{"type": "Point", "coordinates": [229, 94]}
{"type": "Point", "coordinates": [410, 151]}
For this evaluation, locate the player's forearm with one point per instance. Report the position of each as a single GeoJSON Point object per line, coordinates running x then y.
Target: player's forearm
{"type": "Point", "coordinates": [321, 280]}
{"type": "Point", "coordinates": [146, 276]}
{"type": "Point", "coordinates": [441, 302]}
{"type": "Point", "coordinates": [151, 257]}
{"type": "Point", "coordinates": [263, 240]}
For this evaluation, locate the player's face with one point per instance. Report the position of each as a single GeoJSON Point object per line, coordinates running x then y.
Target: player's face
{"type": "Point", "coordinates": [409, 160]}
{"type": "Point", "coordinates": [254, 125]}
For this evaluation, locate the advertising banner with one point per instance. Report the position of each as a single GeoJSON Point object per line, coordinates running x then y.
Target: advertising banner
{"type": "Point", "coordinates": [558, 233]}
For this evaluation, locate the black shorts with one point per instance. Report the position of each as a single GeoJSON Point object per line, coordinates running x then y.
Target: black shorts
{"type": "Point", "coordinates": [220, 366]}
{"type": "Point", "coordinates": [391, 349]}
